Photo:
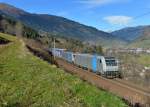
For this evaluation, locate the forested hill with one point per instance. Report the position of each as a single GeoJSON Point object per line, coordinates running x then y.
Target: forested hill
{"type": "Point", "coordinates": [60, 26]}
{"type": "Point", "coordinates": [137, 36]}
{"type": "Point", "coordinates": [16, 28]}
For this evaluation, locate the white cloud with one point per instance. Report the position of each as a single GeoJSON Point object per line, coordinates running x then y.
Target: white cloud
{"type": "Point", "coordinates": [96, 3]}
{"type": "Point", "coordinates": [118, 20]}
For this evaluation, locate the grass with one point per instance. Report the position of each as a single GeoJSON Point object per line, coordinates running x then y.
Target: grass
{"type": "Point", "coordinates": [144, 59]}
{"type": "Point", "coordinates": [27, 81]}
{"type": "Point", "coordinates": [141, 59]}
{"type": "Point", "coordinates": [142, 44]}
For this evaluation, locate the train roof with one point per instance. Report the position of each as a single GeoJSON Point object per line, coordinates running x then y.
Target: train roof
{"type": "Point", "coordinates": [109, 57]}
{"type": "Point", "coordinates": [89, 55]}
{"type": "Point", "coordinates": [69, 52]}
{"type": "Point", "coordinates": [59, 49]}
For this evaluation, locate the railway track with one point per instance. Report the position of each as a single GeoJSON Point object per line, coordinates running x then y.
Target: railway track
{"type": "Point", "coordinates": [133, 94]}
{"type": "Point", "coordinates": [132, 85]}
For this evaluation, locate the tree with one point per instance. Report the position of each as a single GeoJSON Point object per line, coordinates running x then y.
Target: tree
{"type": "Point", "coordinates": [19, 29]}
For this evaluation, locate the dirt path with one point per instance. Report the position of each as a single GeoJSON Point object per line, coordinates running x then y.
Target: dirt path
{"type": "Point", "coordinates": [24, 51]}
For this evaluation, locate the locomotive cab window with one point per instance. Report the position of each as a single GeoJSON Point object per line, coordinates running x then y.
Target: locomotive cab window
{"type": "Point", "coordinates": [111, 63]}
{"type": "Point", "coordinates": [100, 61]}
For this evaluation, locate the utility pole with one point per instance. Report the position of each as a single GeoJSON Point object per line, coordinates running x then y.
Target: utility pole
{"type": "Point", "coordinates": [54, 47]}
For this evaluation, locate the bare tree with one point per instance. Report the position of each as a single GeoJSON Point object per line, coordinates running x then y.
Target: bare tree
{"type": "Point", "coordinates": [19, 29]}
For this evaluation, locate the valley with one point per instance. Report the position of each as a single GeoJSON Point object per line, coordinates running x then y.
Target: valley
{"type": "Point", "coordinates": [32, 75]}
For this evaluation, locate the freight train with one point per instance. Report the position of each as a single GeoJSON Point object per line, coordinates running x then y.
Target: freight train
{"type": "Point", "coordinates": [105, 66]}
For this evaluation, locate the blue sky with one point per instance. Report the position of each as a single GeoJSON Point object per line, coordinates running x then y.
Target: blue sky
{"type": "Point", "coordinates": [107, 15]}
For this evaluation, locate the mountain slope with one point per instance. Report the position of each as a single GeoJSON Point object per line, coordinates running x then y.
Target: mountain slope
{"type": "Point", "coordinates": [130, 33]}
{"type": "Point", "coordinates": [60, 26]}
{"type": "Point", "coordinates": [135, 36]}
{"type": "Point", "coordinates": [13, 27]}
{"type": "Point", "coordinates": [144, 40]}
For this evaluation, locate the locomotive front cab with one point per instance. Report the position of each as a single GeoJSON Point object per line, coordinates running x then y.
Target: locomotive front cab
{"type": "Point", "coordinates": [112, 68]}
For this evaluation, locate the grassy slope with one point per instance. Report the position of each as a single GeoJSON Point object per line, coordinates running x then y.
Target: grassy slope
{"type": "Point", "coordinates": [144, 60]}
{"type": "Point", "coordinates": [26, 80]}
{"type": "Point", "coordinates": [144, 40]}
{"type": "Point", "coordinates": [141, 44]}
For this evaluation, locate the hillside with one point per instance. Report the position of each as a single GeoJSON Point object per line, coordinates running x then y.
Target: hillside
{"type": "Point", "coordinates": [16, 28]}
{"type": "Point", "coordinates": [71, 45]}
{"type": "Point", "coordinates": [129, 33]}
{"type": "Point", "coordinates": [29, 81]}
{"type": "Point", "coordinates": [135, 36]}
{"type": "Point", "coordinates": [60, 26]}
{"type": "Point", "coordinates": [142, 41]}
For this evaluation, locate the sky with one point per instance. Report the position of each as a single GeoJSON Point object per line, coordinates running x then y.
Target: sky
{"type": "Point", "coordinates": [106, 15]}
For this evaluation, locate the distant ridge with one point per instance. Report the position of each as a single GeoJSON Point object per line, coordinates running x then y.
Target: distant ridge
{"type": "Point", "coordinates": [137, 36]}
{"type": "Point", "coordinates": [129, 33]}
{"type": "Point", "coordinates": [61, 26]}
{"type": "Point", "coordinates": [142, 41]}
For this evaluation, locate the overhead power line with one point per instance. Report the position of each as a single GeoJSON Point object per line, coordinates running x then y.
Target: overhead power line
{"type": "Point", "coordinates": [139, 16]}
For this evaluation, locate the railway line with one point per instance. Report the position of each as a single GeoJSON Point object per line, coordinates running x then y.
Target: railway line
{"type": "Point", "coordinates": [132, 85]}
{"type": "Point", "coordinates": [134, 95]}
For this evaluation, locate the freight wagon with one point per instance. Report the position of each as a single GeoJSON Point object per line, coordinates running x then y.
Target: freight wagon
{"type": "Point", "coordinates": [57, 52]}
{"type": "Point", "coordinates": [86, 61]}
{"type": "Point", "coordinates": [68, 56]}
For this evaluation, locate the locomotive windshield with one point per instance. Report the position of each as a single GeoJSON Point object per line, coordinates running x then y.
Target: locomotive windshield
{"type": "Point", "coordinates": [111, 62]}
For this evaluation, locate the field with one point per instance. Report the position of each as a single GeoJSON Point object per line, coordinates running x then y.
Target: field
{"type": "Point", "coordinates": [140, 43]}
{"type": "Point", "coordinates": [27, 81]}
{"type": "Point", "coordinates": [144, 60]}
